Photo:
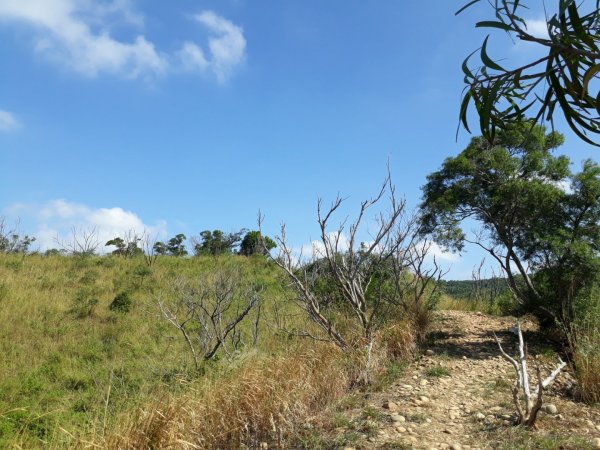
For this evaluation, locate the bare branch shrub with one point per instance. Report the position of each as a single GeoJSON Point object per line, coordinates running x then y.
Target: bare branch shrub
{"type": "Point", "coordinates": [209, 310]}
{"type": "Point", "coordinates": [532, 401]}
{"type": "Point", "coordinates": [82, 242]}
{"type": "Point", "coordinates": [351, 288]}
{"type": "Point", "coordinates": [148, 247]}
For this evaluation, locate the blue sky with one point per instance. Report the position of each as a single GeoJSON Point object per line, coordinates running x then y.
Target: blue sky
{"type": "Point", "coordinates": [188, 115]}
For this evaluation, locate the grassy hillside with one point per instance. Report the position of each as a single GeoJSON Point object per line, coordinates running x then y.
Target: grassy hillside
{"type": "Point", "coordinates": [70, 365]}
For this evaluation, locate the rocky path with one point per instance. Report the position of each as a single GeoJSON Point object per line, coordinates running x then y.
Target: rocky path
{"type": "Point", "coordinates": [457, 396]}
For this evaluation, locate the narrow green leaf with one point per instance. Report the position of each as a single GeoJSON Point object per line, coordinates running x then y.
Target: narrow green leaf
{"type": "Point", "coordinates": [464, 108]}
{"type": "Point", "coordinates": [486, 59]}
{"type": "Point", "coordinates": [517, 79]}
{"type": "Point", "coordinates": [493, 24]}
{"type": "Point", "coordinates": [591, 73]}
{"type": "Point", "coordinates": [465, 66]}
{"type": "Point", "coordinates": [466, 6]}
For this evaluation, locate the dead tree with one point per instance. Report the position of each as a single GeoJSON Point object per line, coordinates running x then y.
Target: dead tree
{"type": "Point", "coordinates": [362, 273]}
{"type": "Point", "coordinates": [208, 312]}
{"type": "Point", "coordinates": [148, 248]}
{"type": "Point", "coordinates": [485, 291]}
{"type": "Point", "coordinates": [527, 403]}
{"type": "Point", "coordinates": [416, 279]}
{"type": "Point", "coordinates": [83, 241]}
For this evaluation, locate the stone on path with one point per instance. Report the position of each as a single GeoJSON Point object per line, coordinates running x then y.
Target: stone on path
{"type": "Point", "coordinates": [388, 404]}
{"type": "Point", "coordinates": [550, 409]}
{"type": "Point", "coordinates": [398, 418]}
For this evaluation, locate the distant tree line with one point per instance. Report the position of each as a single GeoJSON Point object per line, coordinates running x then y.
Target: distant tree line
{"type": "Point", "coordinates": [83, 242]}
{"type": "Point", "coordinates": [218, 242]}
{"type": "Point", "coordinates": [467, 289]}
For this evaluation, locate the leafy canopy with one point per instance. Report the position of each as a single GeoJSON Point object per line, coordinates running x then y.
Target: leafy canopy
{"type": "Point", "coordinates": [566, 76]}
{"type": "Point", "coordinates": [535, 215]}
{"type": "Point", "coordinates": [254, 243]}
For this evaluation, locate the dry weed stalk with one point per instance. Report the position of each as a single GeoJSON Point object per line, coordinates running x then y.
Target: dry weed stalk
{"type": "Point", "coordinates": [527, 413]}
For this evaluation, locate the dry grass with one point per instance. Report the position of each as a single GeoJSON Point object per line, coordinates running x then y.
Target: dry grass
{"type": "Point", "coordinates": [400, 342]}
{"type": "Point", "coordinates": [265, 400]}
{"type": "Point", "coordinates": [586, 360]}
{"type": "Point", "coordinates": [449, 303]}
{"type": "Point", "coordinates": [75, 373]}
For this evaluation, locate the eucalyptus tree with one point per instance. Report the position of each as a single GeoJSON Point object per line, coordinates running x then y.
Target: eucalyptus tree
{"type": "Point", "coordinates": [566, 75]}
{"type": "Point", "coordinates": [540, 222]}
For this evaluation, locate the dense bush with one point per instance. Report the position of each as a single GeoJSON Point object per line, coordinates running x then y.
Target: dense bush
{"type": "Point", "coordinates": [121, 303]}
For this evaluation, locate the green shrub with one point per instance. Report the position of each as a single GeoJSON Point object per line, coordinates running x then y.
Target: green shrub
{"type": "Point", "coordinates": [84, 303]}
{"type": "Point", "coordinates": [121, 303]}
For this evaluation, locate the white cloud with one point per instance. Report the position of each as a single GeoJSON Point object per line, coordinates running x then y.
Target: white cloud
{"type": "Point", "coordinates": [227, 49]}
{"type": "Point", "coordinates": [56, 220]}
{"type": "Point", "coordinates": [8, 122]}
{"type": "Point", "coordinates": [538, 28]}
{"type": "Point", "coordinates": [440, 255]}
{"type": "Point", "coordinates": [77, 34]}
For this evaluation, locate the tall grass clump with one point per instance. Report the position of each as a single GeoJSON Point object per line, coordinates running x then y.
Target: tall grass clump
{"type": "Point", "coordinates": [263, 400]}
{"type": "Point", "coordinates": [584, 336]}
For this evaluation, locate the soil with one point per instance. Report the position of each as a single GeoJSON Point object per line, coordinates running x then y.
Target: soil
{"type": "Point", "coordinates": [458, 396]}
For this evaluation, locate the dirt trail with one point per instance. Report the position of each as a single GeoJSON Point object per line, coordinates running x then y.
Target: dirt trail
{"type": "Point", "coordinates": [457, 396]}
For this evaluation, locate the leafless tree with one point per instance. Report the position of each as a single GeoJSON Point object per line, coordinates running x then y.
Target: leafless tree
{"type": "Point", "coordinates": [416, 276]}
{"type": "Point", "coordinates": [532, 401]}
{"type": "Point", "coordinates": [147, 243]}
{"type": "Point", "coordinates": [82, 242]}
{"type": "Point", "coordinates": [208, 312]}
{"type": "Point", "coordinates": [485, 290]}
{"type": "Point", "coordinates": [369, 278]}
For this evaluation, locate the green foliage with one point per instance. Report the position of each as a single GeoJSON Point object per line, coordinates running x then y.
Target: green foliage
{"type": "Point", "coordinates": [515, 189]}
{"type": "Point", "coordinates": [437, 371]}
{"type": "Point", "coordinates": [64, 352]}
{"type": "Point", "coordinates": [84, 302]}
{"type": "Point", "coordinates": [564, 77]}
{"type": "Point", "coordinates": [160, 248]}
{"type": "Point", "coordinates": [174, 247]}
{"type": "Point", "coordinates": [125, 248]}
{"type": "Point", "coordinates": [11, 239]}
{"type": "Point", "coordinates": [121, 303]}
{"type": "Point", "coordinates": [464, 289]}
{"type": "Point", "coordinates": [217, 242]}
{"type": "Point", "coordinates": [254, 243]}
